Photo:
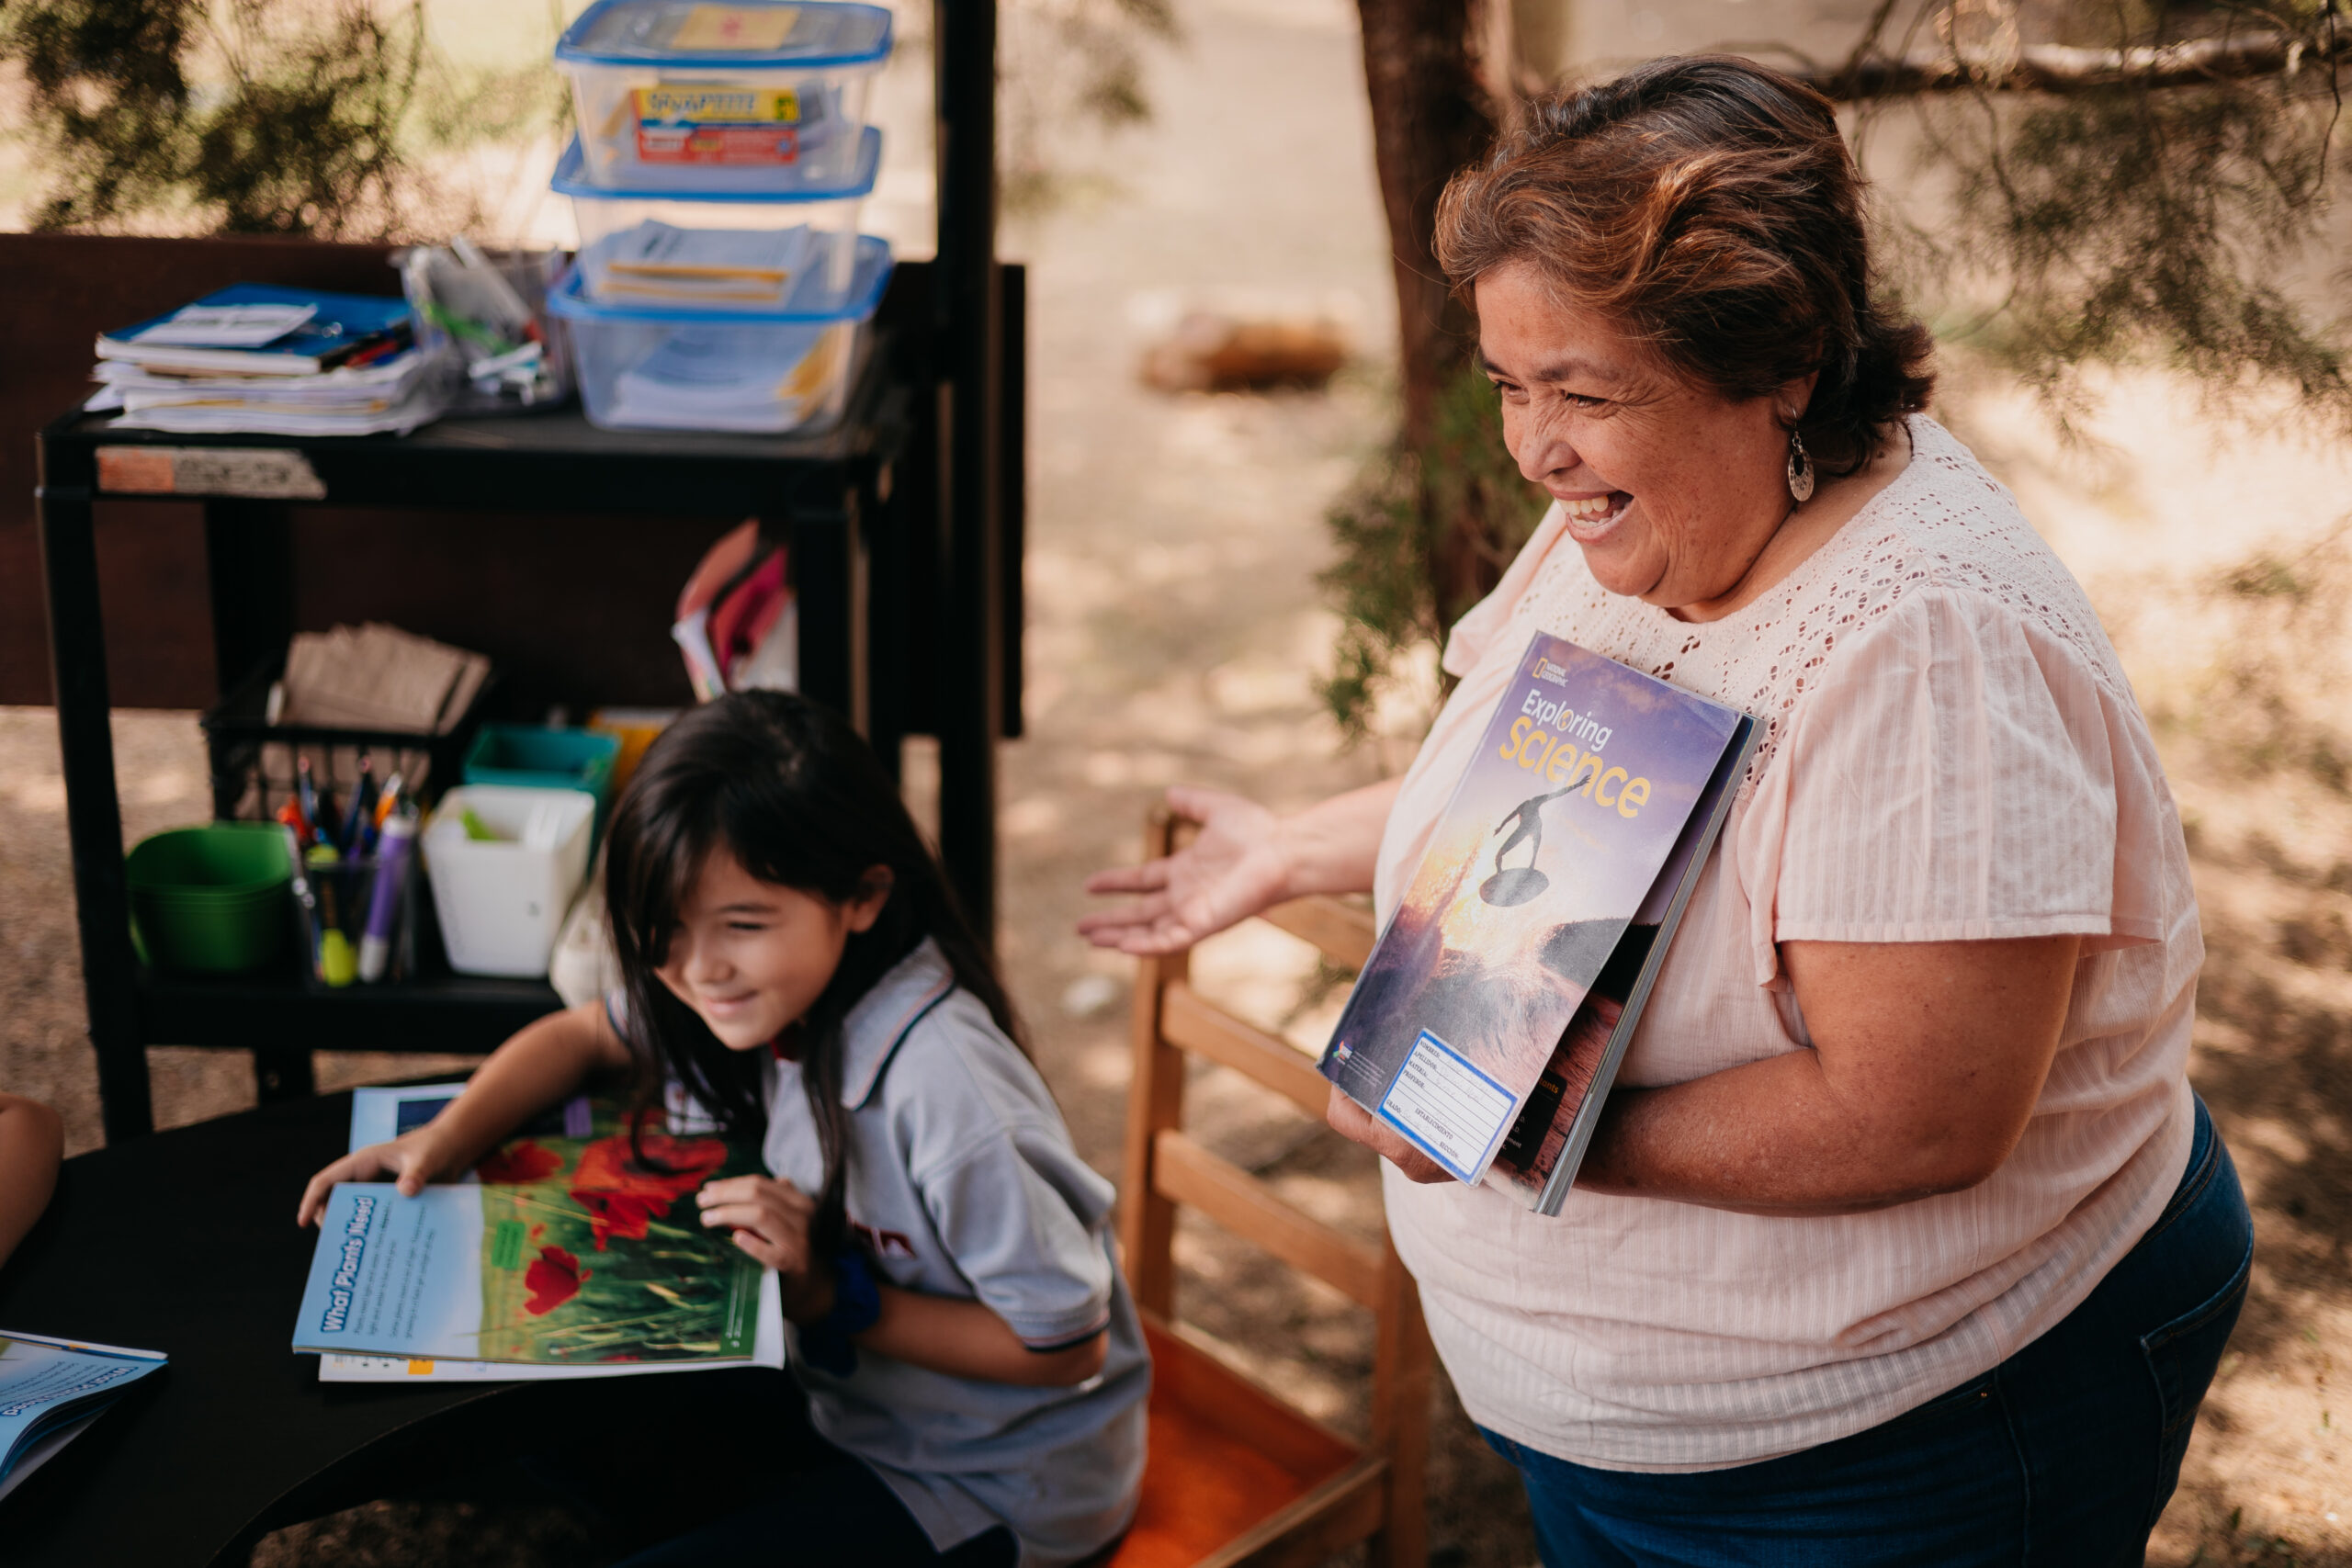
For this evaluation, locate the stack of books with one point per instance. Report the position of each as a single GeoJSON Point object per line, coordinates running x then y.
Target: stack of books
{"type": "Point", "coordinates": [254, 358]}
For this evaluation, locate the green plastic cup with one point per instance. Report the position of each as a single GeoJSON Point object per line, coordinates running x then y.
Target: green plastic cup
{"type": "Point", "coordinates": [211, 900]}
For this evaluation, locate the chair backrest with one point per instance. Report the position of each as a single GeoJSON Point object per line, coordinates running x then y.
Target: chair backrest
{"type": "Point", "coordinates": [1379, 1494]}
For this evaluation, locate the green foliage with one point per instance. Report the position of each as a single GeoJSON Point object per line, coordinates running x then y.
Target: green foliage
{"type": "Point", "coordinates": [1066, 61]}
{"type": "Point", "coordinates": [1422, 537]}
{"type": "Point", "coordinates": [299, 138]}
{"type": "Point", "coordinates": [253, 117]}
{"type": "Point", "coordinates": [2123, 222]}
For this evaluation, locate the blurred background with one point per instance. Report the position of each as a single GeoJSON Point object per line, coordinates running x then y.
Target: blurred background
{"type": "Point", "coordinates": [1261, 483]}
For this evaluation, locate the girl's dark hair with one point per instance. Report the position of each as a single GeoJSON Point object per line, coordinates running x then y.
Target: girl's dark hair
{"type": "Point", "coordinates": [799, 800]}
{"type": "Point", "coordinates": [1709, 205]}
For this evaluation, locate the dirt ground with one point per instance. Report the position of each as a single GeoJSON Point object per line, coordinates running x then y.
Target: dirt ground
{"type": "Point", "coordinates": [1175, 632]}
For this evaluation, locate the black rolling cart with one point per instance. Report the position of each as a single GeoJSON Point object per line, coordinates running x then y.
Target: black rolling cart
{"type": "Point", "coordinates": [904, 526]}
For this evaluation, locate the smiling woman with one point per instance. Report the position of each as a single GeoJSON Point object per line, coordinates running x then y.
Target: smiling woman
{"type": "Point", "coordinates": [1904, 1238]}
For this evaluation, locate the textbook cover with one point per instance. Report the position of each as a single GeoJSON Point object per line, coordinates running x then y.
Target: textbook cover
{"type": "Point", "coordinates": [1538, 1161]}
{"type": "Point", "coordinates": [1540, 871]}
{"type": "Point", "coordinates": [566, 1252]}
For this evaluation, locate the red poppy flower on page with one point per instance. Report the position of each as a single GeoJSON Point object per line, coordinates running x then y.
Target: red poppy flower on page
{"type": "Point", "coordinates": [518, 1163]}
{"type": "Point", "coordinates": [623, 1197]}
{"type": "Point", "coordinates": [552, 1279]}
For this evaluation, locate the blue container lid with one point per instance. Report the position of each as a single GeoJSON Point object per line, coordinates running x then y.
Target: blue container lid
{"type": "Point", "coordinates": [788, 184]}
{"type": "Point", "coordinates": [791, 35]}
{"type": "Point", "coordinates": [862, 298]}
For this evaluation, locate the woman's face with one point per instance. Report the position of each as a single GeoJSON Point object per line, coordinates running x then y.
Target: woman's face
{"type": "Point", "coordinates": [1671, 489]}
{"type": "Point", "coordinates": [751, 957]}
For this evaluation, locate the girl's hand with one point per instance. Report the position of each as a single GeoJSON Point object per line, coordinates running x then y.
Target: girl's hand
{"type": "Point", "coordinates": [770, 1218]}
{"type": "Point", "coordinates": [1238, 866]}
{"type": "Point", "coordinates": [1352, 1121]}
{"type": "Point", "coordinates": [411, 1160]}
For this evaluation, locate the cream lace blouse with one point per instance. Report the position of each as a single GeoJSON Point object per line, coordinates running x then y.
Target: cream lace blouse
{"type": "Point", "coordinates": [1952, 753]}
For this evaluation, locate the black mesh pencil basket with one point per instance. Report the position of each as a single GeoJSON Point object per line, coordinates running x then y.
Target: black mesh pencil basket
{"type": "Point", "coordinates": [255, 762]}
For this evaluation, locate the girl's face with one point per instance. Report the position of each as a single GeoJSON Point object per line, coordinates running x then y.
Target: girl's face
{"type": "Point", "coordinates": [750, 957]}
{"type": "Point", "coordinates": [1671, 489]}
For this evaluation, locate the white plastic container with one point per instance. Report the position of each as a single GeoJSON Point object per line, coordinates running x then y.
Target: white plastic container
{"type": "Point", "coordinates": [502, 903]}
{"type": "Point", "coordinates": [794, 245]}
{"type": "Point", "coordinates": [690, 95]}
{"type": "Point", "coordinates": [660, 368]}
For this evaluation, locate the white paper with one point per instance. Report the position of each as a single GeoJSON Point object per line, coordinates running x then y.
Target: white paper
{"type": "Point", "coordinates": [1453, 1112]}
{"type": "Point", "coordinates": [420, 406]}
{"type": "Point", "coordinates": [733, 266]}
{"type": "Point", "coordinates": [227, 326]}
{"type": "Point", "coordinates": [381, 384]}
{"type": "Point", "coordinates": [719, 378]}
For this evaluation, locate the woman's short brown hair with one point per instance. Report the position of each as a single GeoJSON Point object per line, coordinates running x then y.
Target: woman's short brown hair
{"type": "Point", "coordinates": [1707, 205]}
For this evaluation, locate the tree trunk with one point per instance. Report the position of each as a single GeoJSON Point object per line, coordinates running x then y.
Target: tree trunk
{"type": "Point", "coordinates": [1429, 118]}
{"type": "Point", "coordinates": [1424, 73]}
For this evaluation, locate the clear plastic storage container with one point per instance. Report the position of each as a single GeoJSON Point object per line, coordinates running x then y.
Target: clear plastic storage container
{"type": "Point", "coordinates": [794, 246]}
{"type": "Point", "coordinates": [688, 95]}
{"type": "Point", "coordinates": [689, 367]}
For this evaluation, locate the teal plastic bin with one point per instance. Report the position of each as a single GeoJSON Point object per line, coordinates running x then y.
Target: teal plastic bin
{"type": "Point", "coordinates": [528, 757]}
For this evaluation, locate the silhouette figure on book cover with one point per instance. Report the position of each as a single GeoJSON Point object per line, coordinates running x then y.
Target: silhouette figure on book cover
{"type": "Point", "coordinates": [1512, 886]}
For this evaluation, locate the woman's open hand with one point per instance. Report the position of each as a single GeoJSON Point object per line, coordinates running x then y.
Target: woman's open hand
{"type": "Point", "coordinates": [411, 1160]}
{"type": "Point", "coordinates": [770, 1218]}
{"type": "Point", "coordinates": [1237, 866]}
{"type": "Point", "coordinates": [1355, 1123]}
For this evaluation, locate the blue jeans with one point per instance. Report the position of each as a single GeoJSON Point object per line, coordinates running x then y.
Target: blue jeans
{"type": "Point", "coordinates": [2062, 1455]}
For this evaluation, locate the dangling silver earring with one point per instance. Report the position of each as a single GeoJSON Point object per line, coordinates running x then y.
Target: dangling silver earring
{"type": "Point", "coordinates": [1800, 469]}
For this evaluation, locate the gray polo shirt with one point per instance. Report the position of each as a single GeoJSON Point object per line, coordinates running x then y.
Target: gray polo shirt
{"type": "Point", "coordinates": [962, 1182]}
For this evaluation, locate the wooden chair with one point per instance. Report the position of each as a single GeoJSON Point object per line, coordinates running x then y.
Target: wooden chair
{"type": "Point", "coordinates": [1236, 1475]}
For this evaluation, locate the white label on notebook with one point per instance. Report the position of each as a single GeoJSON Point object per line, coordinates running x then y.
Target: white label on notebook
{"type": "Point", "coordinates": [1453, 1112]}
{"type": "Point", "coordinates": [227, 326]}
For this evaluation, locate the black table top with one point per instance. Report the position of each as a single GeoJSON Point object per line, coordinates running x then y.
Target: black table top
{"type": "Point", "coordinates": [184, 1242]}
{"type": "Point", "coordinates": [538, 461]}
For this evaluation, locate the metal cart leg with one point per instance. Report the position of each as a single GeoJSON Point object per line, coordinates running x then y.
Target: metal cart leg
{"type": "Point", "coordinates": [969, 324]}
{"type": "Point", "coordinates": [77, 654]}
{"type": "Point", "coordinates": [828, 582]}
{"type": "Point", "coordinates": [249, 560]}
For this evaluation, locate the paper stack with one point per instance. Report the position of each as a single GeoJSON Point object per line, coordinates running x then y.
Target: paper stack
{"type": "Point", "coordinates": [713, 378]}
{"type": "Point", "coordinates": [254, 358]}
{"type": "Point", "coordinates": [700, 267]}
{"type": "Point", "coordinates": [376, 677]}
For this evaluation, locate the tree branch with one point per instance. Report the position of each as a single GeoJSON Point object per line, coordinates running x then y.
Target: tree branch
{"type": "Point", "coordinates": [2061, 68]}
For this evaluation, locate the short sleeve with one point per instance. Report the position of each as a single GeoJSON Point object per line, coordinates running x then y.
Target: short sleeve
{"type": "Point", "coordinates": [1020, 1215]}
{"type": "Point", "coordinates": [1953, 778]}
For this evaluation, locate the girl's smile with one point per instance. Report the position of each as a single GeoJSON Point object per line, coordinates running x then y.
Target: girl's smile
{"type": "Point", "coordinates": [751, 957]}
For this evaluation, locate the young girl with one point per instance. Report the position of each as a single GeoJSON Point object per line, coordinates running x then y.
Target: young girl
{"type": "Point", "coordinates": [794, 960]}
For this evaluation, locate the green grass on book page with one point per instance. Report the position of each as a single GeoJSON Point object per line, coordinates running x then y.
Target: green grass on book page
{"type": "Point", "coordinates": [590, 1257]}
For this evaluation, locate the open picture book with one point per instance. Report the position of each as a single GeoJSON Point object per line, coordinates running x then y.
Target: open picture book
{"type": "Point", "coordinates": [559, 1255]}
{"type": "Point", "coordinates": [50, 1390]}
{"type": "Point", "coordinates": [1488, 1023]}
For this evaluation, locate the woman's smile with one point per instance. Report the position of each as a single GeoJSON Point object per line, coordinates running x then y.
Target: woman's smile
{"type": "Point", "coordinates": [1592, 516]}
